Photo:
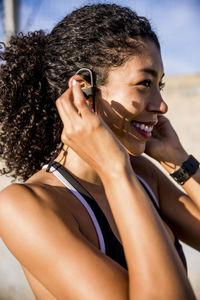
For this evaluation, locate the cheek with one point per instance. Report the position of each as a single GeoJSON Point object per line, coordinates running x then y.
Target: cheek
{"type": "Point", "coordinates": [131, 101]}
{"type": "Point", "coordinates": [112, 115]}
{"type": "Point", "coordinates": [117, 109]}
{"type": "Point", "coordinates": [135, 101]}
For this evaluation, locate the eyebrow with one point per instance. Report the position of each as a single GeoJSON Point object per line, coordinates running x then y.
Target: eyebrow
{"type": "Point", "coordinates": [153, 72]}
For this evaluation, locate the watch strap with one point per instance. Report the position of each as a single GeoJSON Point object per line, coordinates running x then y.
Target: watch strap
{"type": "Point", "coordinates": [188, 168]}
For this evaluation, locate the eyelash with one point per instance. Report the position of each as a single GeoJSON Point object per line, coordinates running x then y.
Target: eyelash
{"type": "Point", "coordinates": [147, 83]}
{"type": "Point", "coordinates": [161, 85]}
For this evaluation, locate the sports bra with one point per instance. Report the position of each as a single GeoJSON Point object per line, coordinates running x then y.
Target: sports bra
{"type": "Point", "coordinates": [108, 243]}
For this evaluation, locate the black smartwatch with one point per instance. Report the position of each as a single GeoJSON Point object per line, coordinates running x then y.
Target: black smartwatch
{"type": "Point", "coordinates": [188, 168]}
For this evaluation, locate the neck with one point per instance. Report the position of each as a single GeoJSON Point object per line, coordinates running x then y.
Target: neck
{"type": "Point", "coordinates": [77, 166]}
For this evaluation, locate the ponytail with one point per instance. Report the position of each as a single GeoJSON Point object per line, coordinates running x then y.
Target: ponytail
{"type": "Point", "coordinates": [27, 115]}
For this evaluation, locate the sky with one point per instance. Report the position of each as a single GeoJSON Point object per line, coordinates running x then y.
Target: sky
{"type": "Point", "coordinates": [177, 23]}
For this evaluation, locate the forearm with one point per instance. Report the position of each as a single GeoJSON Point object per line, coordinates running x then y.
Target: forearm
{"type": "Point", "coordinates": [148, 250]}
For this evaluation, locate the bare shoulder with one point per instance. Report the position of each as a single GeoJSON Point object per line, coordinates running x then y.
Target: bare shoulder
{"type": "Point", "coordinates": [21, 200]}
{"type": "Point", "coordinates": [27, 209]}
{"type": "Point", "coordinates": [13, 196]}
{"type": "Point", "coordinates": [53, 249]}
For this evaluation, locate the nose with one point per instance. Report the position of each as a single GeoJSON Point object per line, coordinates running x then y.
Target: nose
{"type": "Point", "coordinates": [157, 104]}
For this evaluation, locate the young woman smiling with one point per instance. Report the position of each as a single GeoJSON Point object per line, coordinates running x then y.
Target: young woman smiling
{"type": "Point", "coordinates": [99, 221]}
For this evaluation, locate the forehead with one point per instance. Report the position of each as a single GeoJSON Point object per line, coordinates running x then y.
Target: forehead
{"type": "Point", "coordinates": [148, 60]}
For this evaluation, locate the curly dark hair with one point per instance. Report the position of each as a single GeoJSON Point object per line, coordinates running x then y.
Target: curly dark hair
{"type": "Point", "coordinates": [35, 70]}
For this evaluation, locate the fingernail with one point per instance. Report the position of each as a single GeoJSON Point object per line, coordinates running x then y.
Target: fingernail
{"type": "Point", "coordinates": [74, 82]}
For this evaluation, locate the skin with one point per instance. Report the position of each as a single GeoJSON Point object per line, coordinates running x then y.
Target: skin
{"type": "Point", "coordinates": [134, 100]}
{"type": "Point", "coordinates": [57, 243]}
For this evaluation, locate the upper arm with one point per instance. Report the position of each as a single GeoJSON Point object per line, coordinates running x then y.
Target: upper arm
{"type": "Point", "coordinates": [180, 211]}
{"type": "Point", "coordinates": [57, 255]}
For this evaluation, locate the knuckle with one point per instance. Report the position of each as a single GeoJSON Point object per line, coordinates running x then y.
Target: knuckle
{"type": "Point", "coordinates": [58, 102]}
{"type": "Point", "coordinates": [70, 133]}
{"type": "Point", "coordinates": [64, 137]}
{"type": "Point", "coordinates": [63, 97]}
{"type": "Point", "coordinates": [79, 102]}
{"type": "Point", "coordinates": [78, 131]}
{"type": "Point", "coordinates": [67, 131]}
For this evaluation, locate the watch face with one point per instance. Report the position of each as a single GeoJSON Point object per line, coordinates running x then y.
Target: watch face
{"type": "Point", "coordinates": [180, 176]}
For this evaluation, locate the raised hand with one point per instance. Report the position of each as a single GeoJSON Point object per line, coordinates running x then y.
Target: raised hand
{"type": "Point", "coordinates": [164, 145]}
{"type": "Point", "coordinates": [86, 133]}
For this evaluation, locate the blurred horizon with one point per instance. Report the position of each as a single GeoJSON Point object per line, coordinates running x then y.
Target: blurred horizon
{"type": "Point", "coordinates": [176, 22]}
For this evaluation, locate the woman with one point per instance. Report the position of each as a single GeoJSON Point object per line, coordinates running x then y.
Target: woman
{"type": "Point", "coordinates": [67, 223]}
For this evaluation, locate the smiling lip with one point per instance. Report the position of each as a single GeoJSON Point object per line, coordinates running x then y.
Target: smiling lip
{"type": "Point", "coordinates": [144, 128]}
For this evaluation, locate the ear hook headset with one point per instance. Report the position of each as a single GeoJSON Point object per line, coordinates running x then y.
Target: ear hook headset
{"type": "Point", "coordinates": [88, 92]}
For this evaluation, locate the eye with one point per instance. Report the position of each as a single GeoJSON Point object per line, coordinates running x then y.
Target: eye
{"type": "Point", "coordinates": [146, 83]}
{"type": "Point", "coordinates": [161, 85]}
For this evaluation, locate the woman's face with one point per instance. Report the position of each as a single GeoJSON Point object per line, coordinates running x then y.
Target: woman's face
{"type": "Point", "coordinates": [130, 101]}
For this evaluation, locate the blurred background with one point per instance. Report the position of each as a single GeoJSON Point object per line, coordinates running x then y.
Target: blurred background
{"type": "Point", "coordinates": [177, 24]}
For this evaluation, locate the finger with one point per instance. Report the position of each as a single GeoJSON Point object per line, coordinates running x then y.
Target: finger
{"type": "Point", "coordinates": [84, 84]}
{"type": "Point", "coordinates": [66, 107]}
{"type": "Point", "coordinates": [75, 77]}
{"type": "Point", "coordinates": [69, 122]}
{"type": "Point", "coordinates": [80, 100]}
{"type": "Point", "coordinates": [63, 113]}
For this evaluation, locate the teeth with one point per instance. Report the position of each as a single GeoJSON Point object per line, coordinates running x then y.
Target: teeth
{"type": "Point", "coordinates": [143, 127]}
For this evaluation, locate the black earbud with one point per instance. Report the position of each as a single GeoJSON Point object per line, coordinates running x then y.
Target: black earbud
{"type": "Point", "coordinates": [89, 91]}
